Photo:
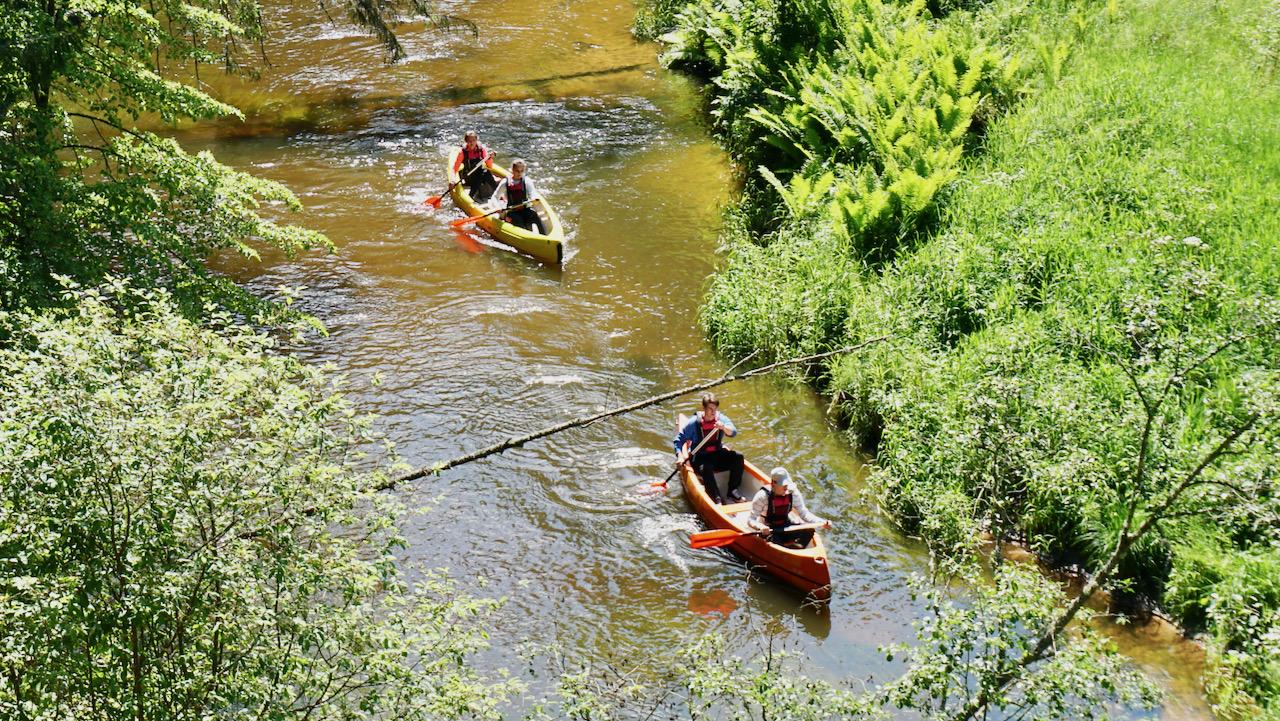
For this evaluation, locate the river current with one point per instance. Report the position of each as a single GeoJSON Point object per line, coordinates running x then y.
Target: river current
{"type": "Point", "coordinates": [456, 343]}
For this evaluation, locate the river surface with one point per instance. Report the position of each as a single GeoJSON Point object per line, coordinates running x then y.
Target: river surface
{"type": "Point", "coordinates": [457, 343]}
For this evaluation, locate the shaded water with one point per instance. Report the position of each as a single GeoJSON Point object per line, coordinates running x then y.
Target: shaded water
{"type": "Point", "coordinates": [472, 343]}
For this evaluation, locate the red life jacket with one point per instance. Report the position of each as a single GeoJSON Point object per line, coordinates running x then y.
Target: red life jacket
{"type": "Point", "coordinates": [779, 512]}
{"type": "Point", "coordinates": [515, 192]}
{"type": "Point", "coordinates": [708, 427]}
{"type": "Point", "coordinates": [471, 159]}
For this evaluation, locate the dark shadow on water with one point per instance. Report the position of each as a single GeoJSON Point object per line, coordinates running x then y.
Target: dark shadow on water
{"type": "Point", "coordinates": [777, 601]}
{"type": "Point", "coordinates": [344, 112]}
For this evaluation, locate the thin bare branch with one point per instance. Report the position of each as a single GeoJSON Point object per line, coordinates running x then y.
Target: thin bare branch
{"type": "Point", "coordinates": [517, 441]}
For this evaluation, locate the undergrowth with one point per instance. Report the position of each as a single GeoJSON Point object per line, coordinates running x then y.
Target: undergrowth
{"type": "Point", "coordinates": [1044, 204]}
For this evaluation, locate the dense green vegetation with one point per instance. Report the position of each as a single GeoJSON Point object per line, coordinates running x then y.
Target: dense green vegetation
{"type": "Point", "coordinates": [960, 649]}
{"type": "Point", "coordinates": [186, 531]}
{"type": "Point", "coordinates": [1063, 215]}
{"type": "Point", "coordinates": [187, 526]}
{"type": "Point", "coordinates": [85, 194]}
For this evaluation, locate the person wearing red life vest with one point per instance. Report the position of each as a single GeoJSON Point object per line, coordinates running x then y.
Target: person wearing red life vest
{"type": "Point", "coordinates": [515, 191]}
{"type": "Point", "coordinates": [713, 456]}
{"type": "Point", "coordinates": [481, 182]}
{"type": "Point", "coordinates": [771, 509]}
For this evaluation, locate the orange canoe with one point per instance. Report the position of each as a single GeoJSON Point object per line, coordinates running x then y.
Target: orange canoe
{"type": "Point", "coordinates": [803, 568]}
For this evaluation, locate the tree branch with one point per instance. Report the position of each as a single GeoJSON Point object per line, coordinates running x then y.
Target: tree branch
{"type": "Point", "coordinates": [517, 441]}
{"type": "Point", "coordinates": [1041, 650]}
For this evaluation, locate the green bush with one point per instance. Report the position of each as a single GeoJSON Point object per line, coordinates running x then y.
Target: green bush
{"type": "Point", "coordinates": [1042, 204]}
{"type": "Point", "coordinates": [1236, 595]}
{"type": "Point", "coordinates": [188, 529]}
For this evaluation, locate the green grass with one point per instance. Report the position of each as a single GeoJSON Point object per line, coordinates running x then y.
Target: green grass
{"type": "Point", "coordinates": [1128, 204]}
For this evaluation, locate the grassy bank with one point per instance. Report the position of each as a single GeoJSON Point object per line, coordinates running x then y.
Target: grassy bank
{"type": "Point", "coordinates": [1059, 212]}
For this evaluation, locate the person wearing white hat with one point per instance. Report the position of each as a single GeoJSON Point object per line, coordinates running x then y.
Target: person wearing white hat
{"type": "Point", "coordinates": [771, 509]}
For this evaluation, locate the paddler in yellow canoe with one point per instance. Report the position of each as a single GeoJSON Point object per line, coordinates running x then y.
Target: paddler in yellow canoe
{"type": "Point", "coordinates": [519, 193]}
{"type": "Point", "coordinates": [478, 181]}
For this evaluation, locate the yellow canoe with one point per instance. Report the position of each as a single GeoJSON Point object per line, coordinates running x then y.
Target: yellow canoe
{"type": "Point", "coordinates": [547, 248]}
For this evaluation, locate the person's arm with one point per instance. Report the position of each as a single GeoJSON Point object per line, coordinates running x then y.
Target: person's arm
{"type": "Point", "coordinates": [500, 192]}
{"type": "Point", "coordinates": [488, 158]}
{"type": "Point", "coordinates": [457, 162]}
{"type": "Point", "coordinates": [685, 437]}
{"type": "Point", "coordinates": [730, 430]}
{"type": "Point", "coordinates": [797, 502]}
{"type": "Point", "coordinates": [759, 504]}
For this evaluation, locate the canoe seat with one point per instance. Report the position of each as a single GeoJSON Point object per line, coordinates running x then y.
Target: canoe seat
{"type": "Point", "coordinates": [733, 509]}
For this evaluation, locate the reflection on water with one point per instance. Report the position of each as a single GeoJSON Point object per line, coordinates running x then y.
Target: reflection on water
{"type": "Point", "coordinates": [713, 602]}
{"type": "Point", "coordinates": [474, 343]}
{"type": "Point", "coordinates": [467, 240]}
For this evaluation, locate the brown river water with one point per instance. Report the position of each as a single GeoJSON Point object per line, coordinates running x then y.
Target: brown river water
{"type": "Point", "coordinates": [456, 343]}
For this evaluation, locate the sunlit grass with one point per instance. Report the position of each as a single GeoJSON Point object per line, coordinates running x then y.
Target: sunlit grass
{"type": "Point", "coordinates": [1132, 194]}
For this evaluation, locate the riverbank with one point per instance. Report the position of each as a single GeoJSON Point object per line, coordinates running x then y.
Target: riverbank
{"type": "Point", "coordinates": [1056, 212]}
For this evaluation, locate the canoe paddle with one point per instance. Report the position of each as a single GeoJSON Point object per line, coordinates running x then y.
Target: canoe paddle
{"type": "Point", "coordinates": [463, 221]}
{"type": "Point", "coordinates": [434, 201]}
{"type": "Point", "coordinates": [701, 443]}
{"type": "Point", "coordinates": [726, 536]}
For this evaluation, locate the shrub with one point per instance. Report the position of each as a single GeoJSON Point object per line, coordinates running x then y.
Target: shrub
{"type": "Point", "coordinates": [186, 532]}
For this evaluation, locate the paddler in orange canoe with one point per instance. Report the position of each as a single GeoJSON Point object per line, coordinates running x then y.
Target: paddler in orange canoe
{"type": "Point", "coordinates": [771, 509]}
{"type": "Point", "coordinates": [713, 455]}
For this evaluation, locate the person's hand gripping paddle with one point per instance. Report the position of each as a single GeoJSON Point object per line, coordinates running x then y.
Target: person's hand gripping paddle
{"type": "Point", "coordinates": [703, 442]}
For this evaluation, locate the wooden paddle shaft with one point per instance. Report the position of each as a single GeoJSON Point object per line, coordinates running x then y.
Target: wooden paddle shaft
{"type": "Point", "coordinates": [725, 536]}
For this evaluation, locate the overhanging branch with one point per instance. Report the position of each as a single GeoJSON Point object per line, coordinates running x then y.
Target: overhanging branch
{"type": "Point", "coordinates": [517, 441]}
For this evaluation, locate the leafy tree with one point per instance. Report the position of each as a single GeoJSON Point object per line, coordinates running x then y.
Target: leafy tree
{"type": "Point", "coordinates": [964, 649]}
{"type": "Point", "coordinates": [185, 534]}
{"type": "Point", "coordinates": [1229, 459]}
{"type": "Point", "coordinates": [84, 193]}
{"type": "Point", "coordinates": [959, 648]}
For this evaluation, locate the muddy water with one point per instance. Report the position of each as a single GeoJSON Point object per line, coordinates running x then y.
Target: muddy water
{"type": "Point", "coordinates": [457, 343]}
